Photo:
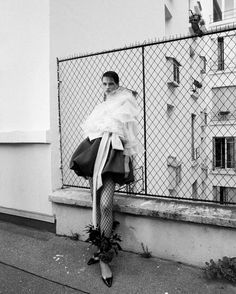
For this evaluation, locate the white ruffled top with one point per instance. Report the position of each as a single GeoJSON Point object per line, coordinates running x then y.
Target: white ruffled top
{"type": "Point", "coordinates": [117, 115]}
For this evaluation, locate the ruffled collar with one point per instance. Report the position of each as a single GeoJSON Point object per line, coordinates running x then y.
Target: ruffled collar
{"type": "Point", "coordinates": [119, 91]}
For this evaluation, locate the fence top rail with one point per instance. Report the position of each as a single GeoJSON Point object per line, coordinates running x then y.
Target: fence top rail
{"type": "Point", "coordinates": [218, 30]}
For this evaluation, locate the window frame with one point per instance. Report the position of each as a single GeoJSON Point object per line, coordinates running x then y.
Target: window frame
{"type": "Point", "coordinates": [219, 14]}
{"type": "Point", "coordinates": [175, 71]}
{"type": "Point", "coordinates": [203, 63]}
{"type": "Point", "coordinates": [220, 54]}
{"type": "Point", "coordinates": [224, 154]}
{"type": "Point", "coordinates": [222, 194]}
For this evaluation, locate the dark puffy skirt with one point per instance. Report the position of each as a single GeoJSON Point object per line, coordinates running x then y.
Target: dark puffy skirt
{"type": "Point", "coordinates": [83, 160]}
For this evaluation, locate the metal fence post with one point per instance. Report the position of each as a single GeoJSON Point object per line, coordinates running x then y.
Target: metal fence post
{"type": "Point", "coordinates": [144, 121]}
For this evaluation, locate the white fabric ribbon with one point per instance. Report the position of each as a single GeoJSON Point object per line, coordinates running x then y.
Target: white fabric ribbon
{"type": "Point", "coordinates": [103, 151]}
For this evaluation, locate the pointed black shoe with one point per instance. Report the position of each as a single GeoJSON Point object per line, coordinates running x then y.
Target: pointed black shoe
{"type": "Point", "coordinates": [93, 260]}
{"type": "Point", "coordinates": [108, 281]}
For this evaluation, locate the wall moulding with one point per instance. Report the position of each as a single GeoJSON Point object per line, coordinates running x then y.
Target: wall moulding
{"type": "Point", "coordinates": [19, 137]}
{"type": "Point", "coordinates": [27, 214]}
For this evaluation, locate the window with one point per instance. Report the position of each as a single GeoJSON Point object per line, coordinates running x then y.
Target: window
{"type": "Point", "coordinates": [176, 71]}
{"type": "Point", "coordinates": [174, 65]}
{"type": "Point", "coordinates": [217, 10]}
{"type": "Point", "coordinates": [203, 64]}
{"type": "Point", "coordinates": [224, 194]}
{"type": "Point", "coordinates": [223, 104]}
{"type": "Point", "coordinates": [223, 9]}
{"type": "Point", "coordinates": [223, 152]}
{"type": "Point", "coordinates": [220, 47]}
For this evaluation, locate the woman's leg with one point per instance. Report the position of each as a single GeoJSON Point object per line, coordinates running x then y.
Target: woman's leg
{"type": "Point", "coordinates": [95, 257]}
{"type": "Point", "coordinates": [106, 206]}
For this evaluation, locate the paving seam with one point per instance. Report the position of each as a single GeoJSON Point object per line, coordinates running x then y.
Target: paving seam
{"type": "Point", "coordinates": [33, 274]}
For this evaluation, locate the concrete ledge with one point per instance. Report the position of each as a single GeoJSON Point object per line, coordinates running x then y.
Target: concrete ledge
{"type": "Point", "coordinates": [182, 231]}
{"type": "Point", "coordinates": [210, 214]}
{"type": "Point", "coordinates": [20, 137]}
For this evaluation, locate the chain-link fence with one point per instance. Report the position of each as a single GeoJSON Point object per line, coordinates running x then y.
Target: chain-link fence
{"type": "Point", "coordinates": [187, 97]}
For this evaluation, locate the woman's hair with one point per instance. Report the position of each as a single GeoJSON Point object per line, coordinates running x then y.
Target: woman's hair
{"type": "Point", "coordinates": [113, 75]}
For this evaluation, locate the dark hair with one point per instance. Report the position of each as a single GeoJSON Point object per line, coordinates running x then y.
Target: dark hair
{"type": "Point", "coordinates": [113, 75]}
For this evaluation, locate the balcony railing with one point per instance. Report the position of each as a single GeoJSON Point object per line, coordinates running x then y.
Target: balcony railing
{"type": "Point", "coordinates": [180, 135]}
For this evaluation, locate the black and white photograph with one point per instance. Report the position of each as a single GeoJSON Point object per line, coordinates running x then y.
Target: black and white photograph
{"type": "Point", "coordinates": [118, 147]}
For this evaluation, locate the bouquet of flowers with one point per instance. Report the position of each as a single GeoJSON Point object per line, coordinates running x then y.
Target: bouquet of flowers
{"type": "Point", "coordinates": [108, 246]}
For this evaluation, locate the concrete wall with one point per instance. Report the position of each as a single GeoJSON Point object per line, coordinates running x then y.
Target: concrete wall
{"type": "Point", "coordinates": [179, 231]}
{"type": "Point", "coordinates": [25, 175]}
{"type": "Point", "coordinates": [25, 178]}
{"type": "Point", "coordinates": [24, 32]}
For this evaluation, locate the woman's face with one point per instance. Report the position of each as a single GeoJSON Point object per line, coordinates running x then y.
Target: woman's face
{"type": "Point", "coordinates": [109, 85]}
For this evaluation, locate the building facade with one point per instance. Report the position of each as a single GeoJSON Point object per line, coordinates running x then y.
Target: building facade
{"type": "Point", "coordinates": [222, 83]}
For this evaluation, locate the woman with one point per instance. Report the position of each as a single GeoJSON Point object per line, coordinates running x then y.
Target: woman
{"type": "Point", "coordinates": [104, 157]}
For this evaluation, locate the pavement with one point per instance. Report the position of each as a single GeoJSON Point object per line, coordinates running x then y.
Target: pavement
{"type": "Point", "coordinates": [36, 261]}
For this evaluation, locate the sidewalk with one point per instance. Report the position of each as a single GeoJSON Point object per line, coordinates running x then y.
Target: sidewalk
{"type": "Point", "coordinates": [33, 261]}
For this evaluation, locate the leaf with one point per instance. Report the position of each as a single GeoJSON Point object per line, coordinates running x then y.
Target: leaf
{"type": "Point", "coordinates": [115, 225]}
{"type": "Point", "coordinates": [224, 268]}
{"type": "Point", "coordinates": [119, 247]}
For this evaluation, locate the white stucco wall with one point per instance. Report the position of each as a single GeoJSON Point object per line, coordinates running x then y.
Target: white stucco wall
{"type": "Point", "coordinates": [82, 26]}
{"type": "Point", "coordinates": [25, 174]}
{"type": "Point", "coordinates": [24, 72]}
{"type": "Point", "coordinates": [24, 177]}
{"type": "Point", "coordinates": [178, 23]}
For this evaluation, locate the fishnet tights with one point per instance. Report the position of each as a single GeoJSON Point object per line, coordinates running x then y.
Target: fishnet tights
{"type": "Point", "coordinates": [104, 205]}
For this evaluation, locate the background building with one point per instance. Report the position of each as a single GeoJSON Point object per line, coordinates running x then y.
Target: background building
{"type": "Point", "coordinates": [222, 116]}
